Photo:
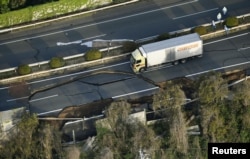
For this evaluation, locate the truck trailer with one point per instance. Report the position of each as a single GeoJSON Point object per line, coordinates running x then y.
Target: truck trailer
{"type": "Point", "coordinates": [172, 50]}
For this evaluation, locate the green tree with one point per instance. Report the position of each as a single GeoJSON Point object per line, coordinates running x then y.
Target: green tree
{"type": "Point", "coordinates": [124, 135]}
{"type": "Point", "coordinates": [4, 6]}
{"type": "Point", "coordinates": [170, 101]}
{"type": "Point", "coordinates": [245, 125]}
{"type": "Point", "coordinates": [241, 98]}
{"type": "Point", "coordinates": [241, 93]}
{"type": "Point", "coordinates": [21, 144]}
{"type": "Point", "coordinates": [29, 140]}
{"type": "Point", "coordinates": [15, 4]}
{"type": "Point", "coordinates": [48, 143]}
{"type": "Point", "coordinates": [212, 90]}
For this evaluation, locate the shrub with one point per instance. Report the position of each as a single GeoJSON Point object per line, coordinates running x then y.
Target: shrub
{"type": "Point", "coordinates": [201, 30]}
{"type": "Point", "coordinates": [163, 37]}
{"type": "Point", "coordinates": [93, 55]}
{"type": "Point", "coordinates": [129, 46]}
{"type": "Point", "coordinates": [42, 11]}
{"type": "Point", "coordinates": [24, 69]}
{"type": "Point", "coordinates": [232, 21]}
{"type": "Point", "coordinates": [56, 62]}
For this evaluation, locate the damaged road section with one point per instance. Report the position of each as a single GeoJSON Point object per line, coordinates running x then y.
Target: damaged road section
{"type": "Point", "coordinates": [87, 89]}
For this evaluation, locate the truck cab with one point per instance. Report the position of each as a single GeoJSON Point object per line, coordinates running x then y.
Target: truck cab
{"type": "Point", "coordinates": [138, 61]}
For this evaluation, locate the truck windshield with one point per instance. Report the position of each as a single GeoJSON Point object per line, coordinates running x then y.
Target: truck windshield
{"type": "Point", "coordinates": [132, 60]}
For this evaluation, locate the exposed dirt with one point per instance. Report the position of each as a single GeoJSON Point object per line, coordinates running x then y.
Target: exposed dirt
{"type": "Point", "coordinates": [233, 76]}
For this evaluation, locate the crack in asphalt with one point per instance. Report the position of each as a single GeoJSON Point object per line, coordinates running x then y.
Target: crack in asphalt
{"type": "Point", "coordinates": [140, 76]}
{"type": "Point", "coordinates": [100, 95]}
{"type": "Point", "coordinates": [79, 93]}
{"type": "Point", "coordinates": [73, 79]}
{"type": "Point", "coordinates": [37, 51]}
{"type": "Point", "coordinates": [245, 45]}
{"type": "Point", "coordinates": [109, 82]}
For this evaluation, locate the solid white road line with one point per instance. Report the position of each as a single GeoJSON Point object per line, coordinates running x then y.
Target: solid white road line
{"type": "Point", "coordinates": [34, 100]}
{"type": "Point", "coordinates": [78, 41]}
{"type": "Point", "coordinates": [195, 13]}
{"type": "Point", "coordinates": [145, 90]}
{"type": "Point", "coordinates": [9, 42]}
{"type": "Point", "coordinates": [102, 22]}
{"type": "Point", "coordinates": [231, 37]}
{"type": "Point", "coordinates": [49, 112]}
{"type": "Point", "coordinates": [10, 100]}
{"type": "Point", "coordinates": [243, 48]}
{"type": "Point", "coordinates": [2, 88]}
{"type": "Point", "coordinates": [216, 69]}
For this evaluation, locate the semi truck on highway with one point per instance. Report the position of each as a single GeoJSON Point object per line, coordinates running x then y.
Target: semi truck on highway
{"type": "Point", "coordinates": [172, 50]}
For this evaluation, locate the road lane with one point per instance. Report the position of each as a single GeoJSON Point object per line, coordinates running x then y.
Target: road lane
{"type": "Point", "coordinates": [43, 98]}
{"type": "Point", "coordinates": [133, 93]}
{"type": "Point", "coordinates": [215, 58]}
{"type": "Point", "coordinates": [220, 55]}
{"type": "Point", "coordinates": [15, 99]}
{"type": "Point", "coordinates": [188, 15]}
{"type": "Point", "coordinates": [232, 53]}
{"type": "Point", "coordinates": [81, 92]}
{"type": "Point", "coordinates": [98, 23]}
{"type": "Point", "coordinates": [71, 75]}
{"type": "Point", "coordinates": [134, 22]}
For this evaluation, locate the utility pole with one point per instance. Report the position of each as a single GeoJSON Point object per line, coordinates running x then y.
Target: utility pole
{"type": "Point", "coordinates": [74, 138]}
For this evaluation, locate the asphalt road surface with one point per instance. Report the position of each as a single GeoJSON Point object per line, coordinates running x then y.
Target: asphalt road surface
{"type": "Point", "coordinates": [135, 21]}
{"type": "Point", "coordinates": [226, 53]}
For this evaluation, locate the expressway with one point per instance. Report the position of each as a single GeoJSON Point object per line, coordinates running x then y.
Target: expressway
{"type": "Point", "coordinates": [117, 81]}
{"type": "Point", "coordinates": [135, 21]}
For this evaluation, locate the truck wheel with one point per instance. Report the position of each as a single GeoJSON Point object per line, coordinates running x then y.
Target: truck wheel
{"type": "Point", "coordinates": [183, 61]}
{"type": "Point", "coordinates": [142, 69]}
{"type": "Point", "coordinates": [176, 63]}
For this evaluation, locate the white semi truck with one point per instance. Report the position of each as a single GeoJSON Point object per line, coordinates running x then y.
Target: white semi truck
{"type": "Point", "coordinates": [173, 50]}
